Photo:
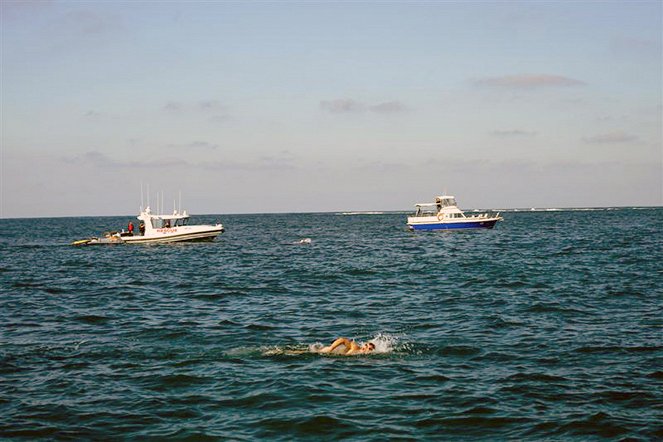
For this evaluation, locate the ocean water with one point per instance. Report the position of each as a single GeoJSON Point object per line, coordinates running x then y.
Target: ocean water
{"type": "Point", "coordinates": [549, 327]}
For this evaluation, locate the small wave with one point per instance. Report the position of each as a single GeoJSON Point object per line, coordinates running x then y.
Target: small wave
{"type": "Point", "coordinates": [552, 308]}
{"type": "Point", "coordinates": [259, 327]}
{"type": "Point", "coordinates": [480, 410]}
{"type": "Point", "coordinates": [459, 350]}
{"type": "Point", "coordinates": [538, 377]}
{"type": "Point", "coordinates": [600, 424]}
{"type": "Point", "coordinates": [92, 319]}
{"type": "Point", "coordinates": [166, 382]}
{"type": "Point", "coordinates": [434, 378]}
{"type": "Point", "coordinates": [656, 375]}
{"type": "Point", "coordinates": [630, 398]}
{"type": "Point", "coordinates": [229, 322]}
{"type": "Point", "coordinates": [54, 290]}
{"type": "Point", "coordinates": [475, 422]}
{"type": "Point", "coordinates": [306, 426]}
{"type": "Point", "coordinates": [568, 250]}
{"type": "Point", "coordinates": [617, 349]}
{"type": "Point", "coordinates": [359, 272]}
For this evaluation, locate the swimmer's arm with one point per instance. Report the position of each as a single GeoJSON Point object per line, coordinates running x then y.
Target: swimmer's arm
{"type": "Point", "coordinates": [337, 343]}
{"type": "Point", "coordinates": [354, 349]}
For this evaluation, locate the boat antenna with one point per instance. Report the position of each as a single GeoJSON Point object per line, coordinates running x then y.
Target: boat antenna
{"type": "Point", "coordinates": [141, 195]}
{"type": "Point", "coordinates": [148, 194]}
{"type": "Point", "coordinates": [180, 201]}
{"type": "Point", "coordinates": [161, 202]}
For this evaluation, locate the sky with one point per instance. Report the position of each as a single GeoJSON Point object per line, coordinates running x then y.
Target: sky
{"type": "Point", "coordinates": [257, 107]}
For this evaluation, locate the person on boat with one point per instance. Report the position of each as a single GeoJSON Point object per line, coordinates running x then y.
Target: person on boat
{"type": "Point", "coordinates": [349, 347]}
{"type": "Point", "coordinates": [130, 228]}
{"type": "Point", "coordinates": [141, 228]}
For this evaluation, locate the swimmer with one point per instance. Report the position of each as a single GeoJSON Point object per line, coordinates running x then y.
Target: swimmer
{"type": "Point", "coordinates": [349, 347]}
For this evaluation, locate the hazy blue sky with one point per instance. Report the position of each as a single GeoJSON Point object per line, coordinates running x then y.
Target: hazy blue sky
{"type": "Point", "coordinates": [313, 106]}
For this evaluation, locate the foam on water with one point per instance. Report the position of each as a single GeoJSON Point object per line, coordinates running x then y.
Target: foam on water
{"type": "Point", "coordinates": [384, 343]}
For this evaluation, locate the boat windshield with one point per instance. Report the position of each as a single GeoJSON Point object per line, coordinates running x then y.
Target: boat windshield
{"type": "Point", "coordinates": [167, 223]}
{"type": "Point", "coordinates": [446, 201]}
{"type": "Point", "coordinates": [425, 210]}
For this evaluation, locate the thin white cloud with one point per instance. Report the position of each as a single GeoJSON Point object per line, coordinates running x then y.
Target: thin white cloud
{"type": "Point", "coordinates": [388, 107]}
{"type": "Point", "coordinates": [528, 81]}
{"type": "Point", "coordinates": [173, 106]}
{"type": "Point", "coordinates": [210, 105]}
{"type": "Point", "coordinates": [195, 145]}
{"type": "Point", "coordinates": [342, 106]}
{"type": "Point", "coordinates": [629, 46]}
{"type": "Point", "coordinates": [218, 119]}
{"type": "Point", "coordinates": [92, 114]}
{"type": "Point", "coordinates": [280, 161]}
{"type": "Point", "coordinates": [611, 138]}
{"type": "Point", "coordinates": [89, 22]}
{"type": "Point", "coordinates": [11, 9]}
{"type": "Point", "coordinates": [99, 159]}
{"type": "Point", "coordinates": [349, 105]}
{"type": "Point", "coordinates": [512, 133]}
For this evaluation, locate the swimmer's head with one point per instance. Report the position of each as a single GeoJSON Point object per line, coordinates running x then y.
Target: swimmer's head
{"type": "Point", "coordinates": [369, 346]}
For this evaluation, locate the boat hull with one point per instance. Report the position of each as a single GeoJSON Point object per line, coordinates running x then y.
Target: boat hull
{"type": "Point", "coordinates": [171, 237]}
{"type": "Point", "coordinates": [456, 225]}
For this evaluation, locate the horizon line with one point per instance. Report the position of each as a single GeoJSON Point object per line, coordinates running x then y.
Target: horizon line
{"type": "Point", "coordinates": [358, 212]}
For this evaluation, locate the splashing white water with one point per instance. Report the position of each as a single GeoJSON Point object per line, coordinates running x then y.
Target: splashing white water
{"type": "Point", "coordinates": [384, 343]}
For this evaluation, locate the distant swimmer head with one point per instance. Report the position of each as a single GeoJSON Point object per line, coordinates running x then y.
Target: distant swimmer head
{"type": "Point", "coordinates": [305, 241]}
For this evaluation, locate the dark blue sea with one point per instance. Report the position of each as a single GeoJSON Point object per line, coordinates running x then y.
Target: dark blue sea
{"type": "Point", "coordinates": [548, 327]}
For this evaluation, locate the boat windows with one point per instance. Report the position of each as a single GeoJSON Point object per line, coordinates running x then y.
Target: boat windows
{"type": "Point", "coordinates": [167, 223]}
{"type": "Point", "coordinates": [180, 222]}
{"type": "Point", "coordinates": [161, 223]}
{"type": "Point", "coordinates": [425, 211]}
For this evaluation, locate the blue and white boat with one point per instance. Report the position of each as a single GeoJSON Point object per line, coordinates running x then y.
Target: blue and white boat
{"type": "Point", "coordinates": [444, 214]}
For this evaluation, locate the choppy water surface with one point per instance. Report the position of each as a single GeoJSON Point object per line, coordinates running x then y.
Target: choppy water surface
{"type": "Point", "coordinates": [547, 327]}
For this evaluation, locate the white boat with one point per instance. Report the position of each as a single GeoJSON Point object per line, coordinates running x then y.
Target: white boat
{"type": "Point", "coordinates": [155, 228]}
{"type": "Point", "coordinates": [444, 214]}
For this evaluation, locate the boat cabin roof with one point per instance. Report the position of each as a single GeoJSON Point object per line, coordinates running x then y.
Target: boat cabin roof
{"type": "Point", "coordinates": [450, 200]}
{"type": "Point", "coordinates": [174, 215]}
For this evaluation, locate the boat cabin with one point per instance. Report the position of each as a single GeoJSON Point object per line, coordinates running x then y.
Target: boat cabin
{"type": "Point", "coordinates": [444, 206]}
{"type": "Point", "coordinates": [153, 221]}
